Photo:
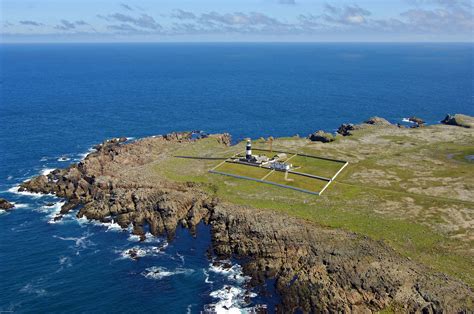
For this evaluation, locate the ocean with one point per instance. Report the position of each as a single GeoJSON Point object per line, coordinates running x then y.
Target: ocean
{"type": "Point", "coordinates": [58, 100]}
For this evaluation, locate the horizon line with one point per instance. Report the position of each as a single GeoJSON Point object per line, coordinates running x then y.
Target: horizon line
{"type": "Point", "coordinates": [231, 42]}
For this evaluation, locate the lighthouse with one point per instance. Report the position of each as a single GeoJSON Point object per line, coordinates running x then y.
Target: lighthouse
{"type": "Point", "coordinates": [248, 151]}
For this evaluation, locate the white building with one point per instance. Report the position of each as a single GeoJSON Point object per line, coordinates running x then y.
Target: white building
{"type": "Point", "coordinates": [280, 166]}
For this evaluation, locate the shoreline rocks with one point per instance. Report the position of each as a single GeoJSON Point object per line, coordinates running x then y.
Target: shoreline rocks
{"type": "Point", "coordinates": [316, 269]}
{"type": "Point", "coordinates": [347, 129]}
{"type": "Point", "coordinates": [377, 121]}
{"type": "Point", "coordinates": [418, 122]}
{"type": "Point", "coordinates": [461, 120]}
{"type": "Point", "coordinates": [6, 205]}
{"type": "Point", "coordinates": [321, 136]}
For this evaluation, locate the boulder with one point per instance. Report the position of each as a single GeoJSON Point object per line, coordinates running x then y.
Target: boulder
{"type": "Point", "coordinates": [70, 205]}
{"type": "Point", "coordinates": [178, 136]}
{"type": "Point", "coordinates": [5, 205]}
{"type": "Point", "coordinates": [321, 136]}
{"type": "Point", "coordinates": [461, 120]}
{"type": "Point", "coordinates": [225, 139]}
{"type": "Point", "coordinates": [377, 121]}
{"type": "Point", "coordinates": [416, 120]}
{"type": "Point", "coordinates": [37, 185]}
{"type": "Point", "coordinates": [345, 129]}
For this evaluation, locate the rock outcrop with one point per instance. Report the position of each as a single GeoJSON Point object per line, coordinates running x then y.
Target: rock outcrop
{"type": "Point", "coordinates": [224, 139]}
{"type": "Point", "coordinates": [418, 122]}
{"type": "Point", "coordinates": [321, 136]}
{"type": "Point", "coordinates": [347, 129]}
{"type": "Point", "coordinates": [6, 205]}
{"type": "Point", "coordinates": [377, 121]}
{"type": "Point", "coordinates": [316, 269]}
{"type": "Point", "coordinates": [459, 120]}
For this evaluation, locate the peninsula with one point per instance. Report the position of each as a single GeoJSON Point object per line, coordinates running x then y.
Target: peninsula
{"type": "Point", "coordinates": [394, 231]}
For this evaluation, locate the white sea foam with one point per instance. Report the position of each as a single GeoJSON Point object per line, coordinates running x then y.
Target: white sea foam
{"type": "Point", "coordinates": [407, 120]}
{"type": "Point", "coordinates": [138, 251]}
{"type": "Point", "coordinates": [14, 190]}
{"type": "Point", "coordinates": [2, 211]}
{"type": "Point", "coordinates": [64, 158]}
{"type": "Point", "coordinates": [79, 242]}
{"type": "Point", "coordinates": [111, 226]}
{"type": "Point", "coordinates": [9, 178]}
{"type": "Point", "coordinates": [181, 257]}
{"type": "Point", "coordinates": [188, 308]}
{"type": "Point", "coordinates": [83, 220]}
{"type": "Point", "coordinates": [55, 212]}
{"type": "Point", "coordinates": [82, 156]}
{"type": "Point", "coordinates": [157, 272]}
{"type": "Point", "coordinates": [230, 298]}
{"type": "Point", "coordinates": [47, 171]}
{"type": "Point", "coordinates": [206, 273]}
{"type": "Point", "coordinates": [31, 289]}
{"type": "Point", "coordinates": [233, 273]}
{"type": "Point", "coordinates": [133, 238]}
{"type": "Point", "coordinates": [149, 238]}
{"type": "Point", "coordinates": [18, 205]}
{"type": "Point", "coordinates": [133, 253]}
{"type": "Point", "coordinates": [65, 261]}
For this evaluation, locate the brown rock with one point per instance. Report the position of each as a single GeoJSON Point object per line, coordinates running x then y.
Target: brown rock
{"type": "Point", "coordinates": [377, 121]}
{"type": "Point", "coordinates": [416, 120]}
{"type": "Point", "coordinates": [225, 139]}
{"type": "Point", "coordinates": [346, 129]}
{"type": "Point", "coordinates": [315, 269]}
{"type": "Point", "coordinates": [6, 205]}
{"type": "Point", "coordinates": [321, 136]}
{"type": "Point", "coordinates": [459, 120]}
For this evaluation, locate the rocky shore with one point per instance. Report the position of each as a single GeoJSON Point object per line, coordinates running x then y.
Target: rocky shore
{"type": "Point", "coordinates": [6, 205]}
{"type": "Point", "coordinates": [317, 269]}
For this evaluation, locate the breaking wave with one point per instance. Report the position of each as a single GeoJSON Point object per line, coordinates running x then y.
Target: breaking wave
{"type": "Point", "coordinates": [157, 272]}
{"type": "Point", "coordinates": [47, 171]}
{"type": "Point", "coordinates": [15, 190]}
{"type": "Point", "coordinates": [231, 298]}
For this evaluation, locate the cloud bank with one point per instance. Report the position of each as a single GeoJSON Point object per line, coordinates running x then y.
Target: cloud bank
{"type": "Point", "coordinates": [428, 18]}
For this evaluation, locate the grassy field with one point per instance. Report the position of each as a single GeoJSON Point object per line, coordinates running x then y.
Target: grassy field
{"type": "Point", "coordinates": [316, 166]}
{"type": "Point", "coordinates": [410, 188]}
{"type": "Point", "coordinates": [298, 181]}
{"type": "Point", "coordinates": [243, 170]}
{"type": "Point", "coordinates": [309, 165]}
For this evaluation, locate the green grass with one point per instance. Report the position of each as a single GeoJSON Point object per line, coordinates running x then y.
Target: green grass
{"type": "Point", "coordinates": [462, 157]}
{"type": "Point", "coordinates": [301, 182]}
{"type": "Point", "coordinates": [268, 154]}
{"type": "Point", "coordinates": [316, 166]}
{"type": "Point", "coordinates": [243, 170]}
{"type": "Point", "coordinates": [347, 204]}
{"type": "Point", "coordinates": [409, 238]}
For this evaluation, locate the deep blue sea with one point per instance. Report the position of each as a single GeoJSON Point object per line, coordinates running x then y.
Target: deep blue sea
{"type": "Point", "coordinates": [56, 101]}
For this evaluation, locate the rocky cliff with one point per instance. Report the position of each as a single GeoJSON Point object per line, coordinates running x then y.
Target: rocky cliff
{"type": "Point", "coordinates": [316, 269]}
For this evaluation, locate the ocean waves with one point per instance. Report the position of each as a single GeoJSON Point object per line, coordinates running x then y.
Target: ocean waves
{"type": "Point", "coordinates": [231, 297]}
{"type": "Point", "coordinates": [158, 272]}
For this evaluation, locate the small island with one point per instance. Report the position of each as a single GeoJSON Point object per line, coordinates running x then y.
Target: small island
{"type": "Point", "coordinates": [393, 231]}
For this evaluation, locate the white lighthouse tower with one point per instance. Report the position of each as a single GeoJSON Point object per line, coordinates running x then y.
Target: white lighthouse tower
{"type": "Point", "coordinates": [248, 151]}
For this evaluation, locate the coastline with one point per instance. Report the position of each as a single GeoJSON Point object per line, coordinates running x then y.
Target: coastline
{"type": "Point", "coordinates": [324, 260]}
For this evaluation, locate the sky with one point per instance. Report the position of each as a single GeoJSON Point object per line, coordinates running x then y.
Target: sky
{"type": "Point", "coordinates": [236, 20]}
